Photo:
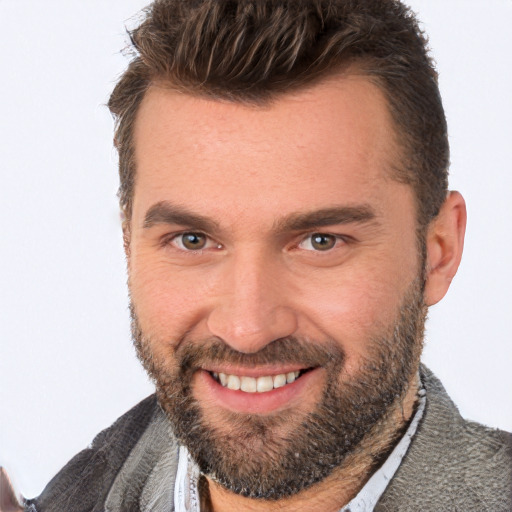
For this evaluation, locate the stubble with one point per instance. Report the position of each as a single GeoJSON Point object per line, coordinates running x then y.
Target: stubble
{"type": "Point", "coordinates": [276, 456]}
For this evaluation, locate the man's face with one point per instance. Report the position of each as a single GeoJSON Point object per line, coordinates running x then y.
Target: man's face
{"type": "Point", "coordinates": [271, 245]}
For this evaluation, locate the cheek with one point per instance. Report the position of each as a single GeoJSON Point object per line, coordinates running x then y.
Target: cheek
{"type": "Point", "coordinates": [353, 308]}
{"type": "Point", "coordinates": [168, 302]}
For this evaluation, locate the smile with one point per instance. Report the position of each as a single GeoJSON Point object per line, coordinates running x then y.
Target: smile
{"type": "Point", "coordinates": [256, 385]}
{"type": "Point", "coordinates": [256, 391]}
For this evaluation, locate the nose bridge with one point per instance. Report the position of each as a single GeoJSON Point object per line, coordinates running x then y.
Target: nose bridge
{"type": "Point", "coordinates": [251, 309]}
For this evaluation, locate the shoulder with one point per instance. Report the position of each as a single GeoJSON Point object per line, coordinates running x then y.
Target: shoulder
{"type": "Point", "coordinates": [488, 463]}
{"type": "Point", "coordinates": [85, 480]}
{"type": "Point", "coordinates": [127, 428]}
{"type": "Point", "coordinates": [452, 463]}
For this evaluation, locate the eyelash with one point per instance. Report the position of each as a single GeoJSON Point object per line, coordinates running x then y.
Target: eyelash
{"type": "Point", "coordinates": [337, 240]}
{"type": "Point", "coordinates": [169, 239]}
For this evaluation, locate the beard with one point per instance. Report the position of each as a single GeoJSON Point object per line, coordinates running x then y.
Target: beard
{"type": "Point", "coordinates": [276, 456]}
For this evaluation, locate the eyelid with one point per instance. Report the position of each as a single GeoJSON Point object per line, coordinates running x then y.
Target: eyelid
{"type": "Point", "coordinates": [339, 238]}
{"type": "Point", "coordinates": [170, 239]}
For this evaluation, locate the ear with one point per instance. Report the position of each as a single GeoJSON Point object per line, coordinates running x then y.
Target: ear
{"type": "Point", "coordinates": [125, 223]}
{"type": "Point", "coordinates": [445, 242]}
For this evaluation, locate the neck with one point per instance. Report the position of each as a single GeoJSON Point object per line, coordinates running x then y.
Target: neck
{"type": "Point", "coordinates": [335, 491]}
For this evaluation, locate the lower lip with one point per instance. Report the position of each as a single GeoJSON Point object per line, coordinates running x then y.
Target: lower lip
{"type": "Point", "coordinates": [254, 403]}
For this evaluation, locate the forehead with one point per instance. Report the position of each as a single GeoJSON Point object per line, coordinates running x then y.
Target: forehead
{"type": "Point", "coordinates": [330, 143]}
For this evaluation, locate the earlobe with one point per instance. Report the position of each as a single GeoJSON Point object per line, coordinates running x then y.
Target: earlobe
{"type": "Point", "coordinates": [445, 242]}
{"type": "Point", "coordinates": [126, 238]}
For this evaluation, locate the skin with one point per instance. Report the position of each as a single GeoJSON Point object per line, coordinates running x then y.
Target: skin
{"type": "Point", "coordinates": [8, 499]}
{"type": "Point", "coordinates": [249, 171]}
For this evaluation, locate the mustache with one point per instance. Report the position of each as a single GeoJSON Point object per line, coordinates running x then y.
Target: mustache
{"type": "Point", "coordinates": [192, 355]}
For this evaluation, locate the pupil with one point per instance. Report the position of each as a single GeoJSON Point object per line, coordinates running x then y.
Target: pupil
{"type": "Point", "coordinates": [323, 242]}
{"type": "Point", "coordinates": [193, 241]}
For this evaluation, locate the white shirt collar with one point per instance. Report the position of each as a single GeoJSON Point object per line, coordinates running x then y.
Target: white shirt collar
{"type": "Point", "coordinates": [186, 495]}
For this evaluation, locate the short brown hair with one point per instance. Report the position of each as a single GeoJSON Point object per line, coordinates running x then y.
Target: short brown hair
{"type": "Point", "coordinates": [254, 50]}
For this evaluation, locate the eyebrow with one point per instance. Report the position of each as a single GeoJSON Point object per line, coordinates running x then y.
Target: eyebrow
{"type": "Point", "coordinates": [165, 212]}
{"type": "Point", "coordinates": [327, 217]}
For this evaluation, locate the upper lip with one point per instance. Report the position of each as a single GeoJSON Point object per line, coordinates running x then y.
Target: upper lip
{"type": "Point", "coordinates": [260, 371]}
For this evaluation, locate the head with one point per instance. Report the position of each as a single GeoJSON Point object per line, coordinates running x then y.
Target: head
{"type": "Point", "coordinates": [284, 179]}
{"type": "Point", "coordinates": [255, 51]}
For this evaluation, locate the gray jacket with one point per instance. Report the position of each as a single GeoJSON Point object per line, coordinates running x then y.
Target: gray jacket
{"type": "Point", "coordinates": [451, 465]}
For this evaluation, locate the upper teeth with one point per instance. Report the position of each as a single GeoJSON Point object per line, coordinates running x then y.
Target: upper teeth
{"type": "Point", "coordinates": [255, 385]}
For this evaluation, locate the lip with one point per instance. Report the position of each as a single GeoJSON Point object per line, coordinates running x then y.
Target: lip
{"type": "Point", "coordinates": [214, 393]}
{"type": "Point", "coordinates": [255, 372]}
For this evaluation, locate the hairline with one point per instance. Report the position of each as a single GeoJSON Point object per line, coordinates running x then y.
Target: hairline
{"type": "Point", "coordinates": [398, 155]}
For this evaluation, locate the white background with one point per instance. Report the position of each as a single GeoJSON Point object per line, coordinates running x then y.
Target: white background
{"type": "Point", "coordinates": [67, 367]}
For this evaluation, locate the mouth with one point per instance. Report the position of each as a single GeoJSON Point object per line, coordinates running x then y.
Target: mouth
{"type": "Point", "coordinates": [261, 384]}
{"type": "Point", "coordinates": [258, 391]}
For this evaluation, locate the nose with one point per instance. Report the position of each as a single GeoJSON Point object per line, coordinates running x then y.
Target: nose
{"type": "Point", "coordinates": [252, 306]}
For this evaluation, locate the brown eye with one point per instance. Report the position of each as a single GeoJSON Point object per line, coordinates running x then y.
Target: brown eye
{"type": "Point", "coordinates": [193, 241]}
{"type": "Point", "coordinates": [322, 241]}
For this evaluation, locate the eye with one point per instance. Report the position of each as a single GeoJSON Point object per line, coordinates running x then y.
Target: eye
{"type": "Point", "coordinates": [192, 241]}
{"type": "Point", "coordinates": [319, 242]}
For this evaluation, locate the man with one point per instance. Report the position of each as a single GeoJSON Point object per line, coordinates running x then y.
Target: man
{"type": "Point", "coordinates": [287, 224]}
